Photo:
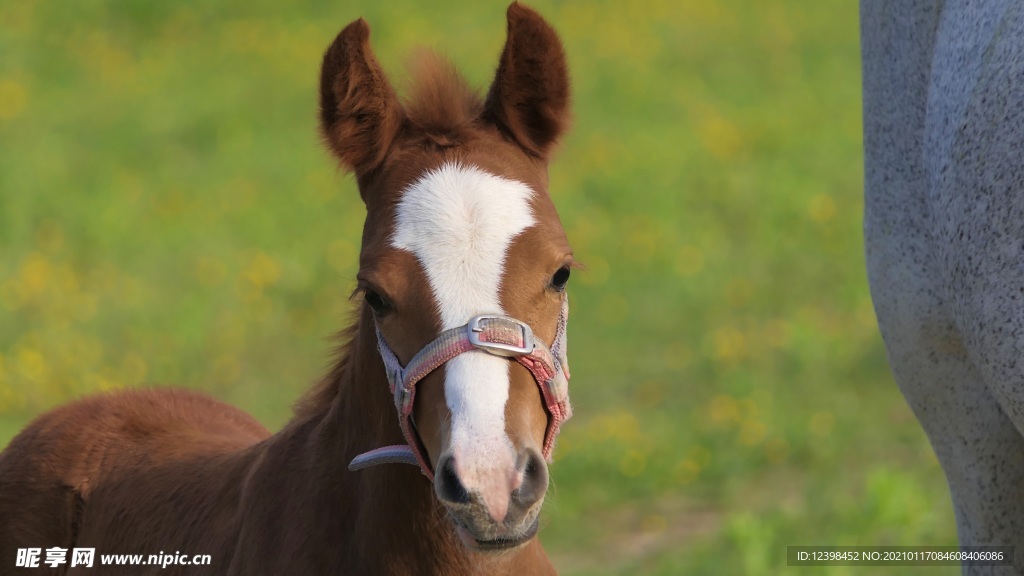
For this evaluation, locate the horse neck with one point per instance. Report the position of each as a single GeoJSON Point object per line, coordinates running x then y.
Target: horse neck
{"type": "Point", "coordinates": [388, 511]}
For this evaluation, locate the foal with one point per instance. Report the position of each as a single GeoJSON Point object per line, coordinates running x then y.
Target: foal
{"type": "Point", "coordinates": [457, 357]}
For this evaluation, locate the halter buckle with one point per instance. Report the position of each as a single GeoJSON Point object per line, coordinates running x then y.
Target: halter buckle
{"type": "Point", "coordinates": [476, 329]}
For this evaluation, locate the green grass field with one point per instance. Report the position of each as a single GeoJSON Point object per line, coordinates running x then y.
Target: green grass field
{"type": "Point", "coordinates": [167, 215]}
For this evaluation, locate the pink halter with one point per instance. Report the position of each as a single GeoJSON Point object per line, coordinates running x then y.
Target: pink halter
{"type": "Point", "coordinates": [491, 333]}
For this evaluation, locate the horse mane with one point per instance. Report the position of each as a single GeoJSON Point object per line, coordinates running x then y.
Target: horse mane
{"type": "Point", "coordinates": [440, 103]}
{"type": "Point", "coordinates": [317, 399]}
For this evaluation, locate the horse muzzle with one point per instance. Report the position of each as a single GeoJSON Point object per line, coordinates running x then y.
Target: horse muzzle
{"type": "Point", "coordinates": [493, 509]}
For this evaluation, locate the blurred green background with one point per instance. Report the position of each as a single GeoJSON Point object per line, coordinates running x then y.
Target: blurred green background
{"type": "Point", "coordinates": [168, 215]}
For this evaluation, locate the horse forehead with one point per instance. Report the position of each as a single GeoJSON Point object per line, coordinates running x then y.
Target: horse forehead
{"type": "Point", "coordinates": [459, 220]}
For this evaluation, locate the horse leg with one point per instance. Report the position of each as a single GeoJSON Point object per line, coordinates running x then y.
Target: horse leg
{"type": "Point", "coordinates": [977, 444]}
{"type": "Point", "coordinates": [943, 372]}
{"type": "Point", "coordinates": [977, 198]}
{"type": "Point", "coordinates": [979, 447]}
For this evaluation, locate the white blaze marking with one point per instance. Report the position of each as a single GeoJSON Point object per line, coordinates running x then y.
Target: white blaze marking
{"type": "Point", "coordinates": [459, 221]}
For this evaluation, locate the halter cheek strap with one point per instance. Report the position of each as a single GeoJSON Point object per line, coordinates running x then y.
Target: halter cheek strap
{"type": "Point", "coordinates": [494, 334]}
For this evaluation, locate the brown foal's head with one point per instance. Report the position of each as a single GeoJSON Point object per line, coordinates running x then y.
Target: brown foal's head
{"type": "Point", "coordinates": [459, 223]}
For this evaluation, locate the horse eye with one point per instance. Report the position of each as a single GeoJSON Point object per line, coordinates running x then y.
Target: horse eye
{"type": "Point", "coordinates": [560, 278]}
{"type": "Point", "coordinates": [375, 301]}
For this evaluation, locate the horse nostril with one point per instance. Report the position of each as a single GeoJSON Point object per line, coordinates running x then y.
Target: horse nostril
{"type": "Point", "coordinates": [535, 480]}
{"type": "Point", "coordinates": [449, 487]}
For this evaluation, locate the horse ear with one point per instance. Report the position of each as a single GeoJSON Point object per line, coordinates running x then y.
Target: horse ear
{"type": "Point", "coordinates": [359, 112]}
{"type": "Point", "coordinates": [529, 99]}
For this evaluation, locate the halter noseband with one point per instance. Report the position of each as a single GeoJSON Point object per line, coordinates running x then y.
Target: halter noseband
{"type": "Point", "coordinates": [491, 333]}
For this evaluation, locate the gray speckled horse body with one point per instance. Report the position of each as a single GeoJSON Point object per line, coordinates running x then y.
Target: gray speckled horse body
{"type": "Point", "coordinates": [944, 233]}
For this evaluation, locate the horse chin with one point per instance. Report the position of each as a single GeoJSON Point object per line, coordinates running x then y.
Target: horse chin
{"type": "Point", "coordinates": [499, 544]}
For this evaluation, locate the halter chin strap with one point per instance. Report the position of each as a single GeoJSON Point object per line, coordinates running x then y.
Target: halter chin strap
{"type": "Point", "coordinates": [491, 333]}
